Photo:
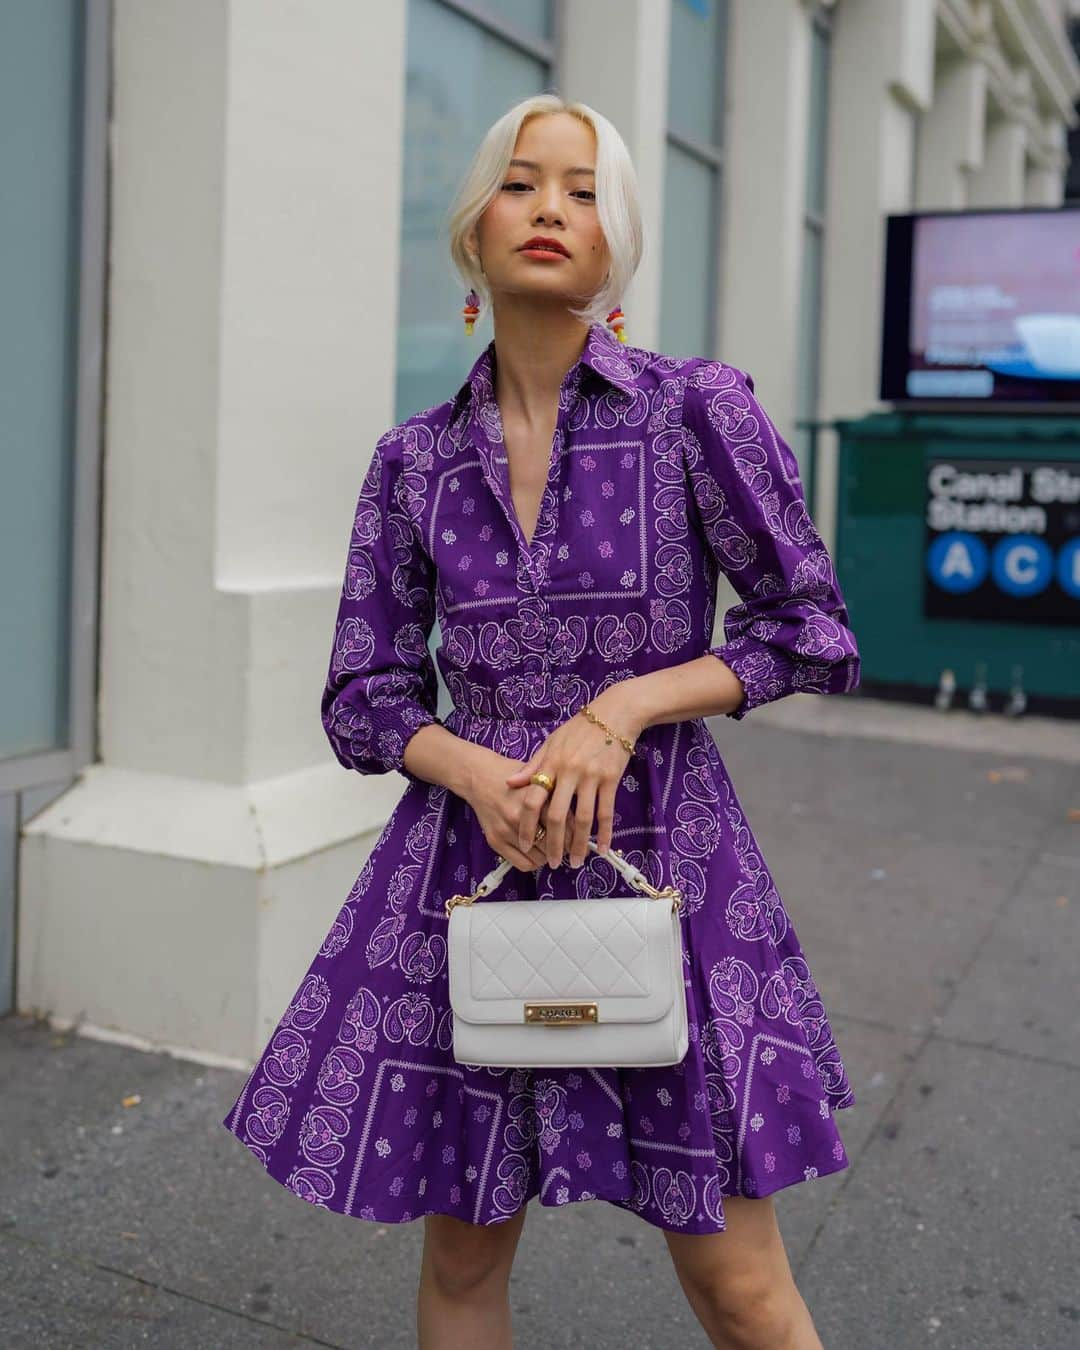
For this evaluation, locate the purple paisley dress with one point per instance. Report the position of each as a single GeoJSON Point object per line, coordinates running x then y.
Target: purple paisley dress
{"type": "Point", "coordinates": [663, 471]}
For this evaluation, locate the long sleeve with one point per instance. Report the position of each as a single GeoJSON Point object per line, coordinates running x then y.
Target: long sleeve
{"type": "Point", "coordinates": [790, 632]}
{"type": "Point", "coordinates": [381, 686]}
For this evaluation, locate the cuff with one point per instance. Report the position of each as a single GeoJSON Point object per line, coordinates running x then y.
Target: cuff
{"type": "Point", "coordinates": [765, 673]}
{"type": "Point", "coordinates": [372, 739]}
{"type": "Point", "coordinates": [391, 741]}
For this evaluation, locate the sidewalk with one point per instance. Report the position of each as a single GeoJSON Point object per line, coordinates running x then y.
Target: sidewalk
{"type": "Point", "coordinates": [935, 885]}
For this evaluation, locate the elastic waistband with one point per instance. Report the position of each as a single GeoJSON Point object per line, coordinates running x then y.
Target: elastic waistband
{"type": "Point", "coordinates": [457, 717]}
{"type": "Point", "coordinates": [460, 715]}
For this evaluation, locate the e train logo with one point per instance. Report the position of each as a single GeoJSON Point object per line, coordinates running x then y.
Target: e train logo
{"type": "Point", "coordinates": [1020, 565]}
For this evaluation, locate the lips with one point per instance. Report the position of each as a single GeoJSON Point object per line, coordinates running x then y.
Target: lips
{"type": "Point", "coordinates": [547, 245]}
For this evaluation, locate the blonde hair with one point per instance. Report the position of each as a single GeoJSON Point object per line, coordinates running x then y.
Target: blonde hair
{"type": "Point", "coordinates": [616, 199]}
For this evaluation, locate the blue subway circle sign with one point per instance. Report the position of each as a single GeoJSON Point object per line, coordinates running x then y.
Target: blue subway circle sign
{"type": "Point", "coordinates": [1002, 540]}
{"type": "Point", "coordinates": [1068, 566]}
{"type": "Point", "coordinates": [1022, 564]}
{"type": "Point", "coordinates": [958, 561]}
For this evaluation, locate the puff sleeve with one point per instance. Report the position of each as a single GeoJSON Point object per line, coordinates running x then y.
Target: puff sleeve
{"type": "Point", "coordinates": [381, 686]}
{"type": "Point", "coordinates": [791, 631]}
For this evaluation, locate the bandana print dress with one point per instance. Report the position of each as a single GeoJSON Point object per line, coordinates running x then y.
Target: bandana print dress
{"type": "Point", "coordinates": [662, 471]}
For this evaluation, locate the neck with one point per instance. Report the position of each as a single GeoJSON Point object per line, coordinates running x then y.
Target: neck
{"type": "Point", "coordinates": [534, 350]}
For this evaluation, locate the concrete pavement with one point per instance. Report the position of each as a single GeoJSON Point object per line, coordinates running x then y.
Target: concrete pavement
{"type": "Point", "coordinates": [932, 872]}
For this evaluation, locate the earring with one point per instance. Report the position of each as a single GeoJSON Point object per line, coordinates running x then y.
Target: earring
{"type": "Point", "coordinates": [471, 310]}
{"type": "Point", "coordinates": [616, 322]}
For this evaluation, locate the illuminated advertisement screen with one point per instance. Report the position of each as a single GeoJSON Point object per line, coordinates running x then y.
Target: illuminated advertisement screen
{"type": "Point", "coordinates": [983, 307]}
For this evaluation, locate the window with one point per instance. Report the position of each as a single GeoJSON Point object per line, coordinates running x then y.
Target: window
{"type": "Point", "coordinates": [466, 64]}
{"type": "Point", "coordinates": [53, 99]}
{"type": "Point", "coordinates": [693, 177]}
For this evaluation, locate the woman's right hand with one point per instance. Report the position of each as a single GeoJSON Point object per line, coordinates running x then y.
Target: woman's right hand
{"type": "Point", "coordinates": [498, 807]}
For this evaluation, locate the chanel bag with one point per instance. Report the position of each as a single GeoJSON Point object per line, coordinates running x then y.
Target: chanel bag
{"type": "Point", "coordinates": [560, 983]}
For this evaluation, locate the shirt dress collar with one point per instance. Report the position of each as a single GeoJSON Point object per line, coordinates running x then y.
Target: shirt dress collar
{"type": "Point", "coordinates": [481, 425]}
{"type": "Point", "coordinates": [603, 354]}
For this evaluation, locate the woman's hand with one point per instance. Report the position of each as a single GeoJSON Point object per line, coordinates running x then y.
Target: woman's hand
{"type": "Point", "coordinates": [498, 809]}
{"type": "Point", "coordinates": [587, 772]}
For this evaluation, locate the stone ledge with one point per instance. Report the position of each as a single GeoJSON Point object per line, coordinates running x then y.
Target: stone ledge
{"type": "Point", "coordinates": [258, 825]}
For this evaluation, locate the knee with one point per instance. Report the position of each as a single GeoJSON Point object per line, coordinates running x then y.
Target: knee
{"type": "Point", "coordinates": [752, 1310]}
{"type": "Point", "coordinates": [465, 1261]}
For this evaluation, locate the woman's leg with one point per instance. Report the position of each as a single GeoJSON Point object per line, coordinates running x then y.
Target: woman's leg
{"type": "Point", "coordinates": [463, 1300]}
{"type": "Point", "coordinates": [739, 1282]}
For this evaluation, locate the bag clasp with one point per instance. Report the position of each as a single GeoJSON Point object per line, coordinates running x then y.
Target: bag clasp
{"type": "Point", "coordinates": [561, 1014]}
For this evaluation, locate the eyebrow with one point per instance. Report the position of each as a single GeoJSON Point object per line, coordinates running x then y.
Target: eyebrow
{"type": "Point", "coordinates": [532, 164]}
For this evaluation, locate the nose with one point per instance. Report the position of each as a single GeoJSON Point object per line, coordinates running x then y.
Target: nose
{"type": "Point", "coordinates": [548, 203]}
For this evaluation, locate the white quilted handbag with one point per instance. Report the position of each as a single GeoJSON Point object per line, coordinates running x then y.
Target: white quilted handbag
{"type": "Point", "coordinates": [561, 983]}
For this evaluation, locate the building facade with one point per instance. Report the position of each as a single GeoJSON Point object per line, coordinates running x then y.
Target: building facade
{"type": "Point", "coordinates": [259, 285]}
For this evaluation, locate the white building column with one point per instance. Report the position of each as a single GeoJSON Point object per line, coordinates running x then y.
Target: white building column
{"type": "Point", "coordinates": [999, 181]}
{"type": "Point", "coordinates": [951, 134]}
{"type": "Point", "coordinates": [764, 189]}
{"type": "Point", "coordinates": [178, 890]}
{"type": "Point", "coordinates": [1047, 166]}
{"type": "Point", "coordinates": [882, 79]}
{"type": "Point", "coordinates": [764, 195]}
{"type": "Point", "coordinates": [614, 56]}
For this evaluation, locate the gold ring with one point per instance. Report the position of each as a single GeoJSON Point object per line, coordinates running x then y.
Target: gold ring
{"type": "Point", "coordinates": [539, 834]}
{"type": "Point", "coordinates": [544, 780]}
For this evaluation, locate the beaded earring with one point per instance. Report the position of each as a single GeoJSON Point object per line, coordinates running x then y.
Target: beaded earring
{"type": "Point", "coordinates": [471, 310]}
{"type": "Point", "coordinates": [616, 322]}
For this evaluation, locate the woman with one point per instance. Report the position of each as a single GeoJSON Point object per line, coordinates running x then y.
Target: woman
{"type": "Point", "coordinates": [564, 516]}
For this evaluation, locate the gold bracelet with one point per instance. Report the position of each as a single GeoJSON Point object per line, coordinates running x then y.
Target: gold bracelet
{"type": "Point", "coordinates": [628, 745]}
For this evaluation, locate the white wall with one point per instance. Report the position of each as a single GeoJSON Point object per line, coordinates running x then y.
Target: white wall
{"type": "Point", "coordinates": [250, 369]}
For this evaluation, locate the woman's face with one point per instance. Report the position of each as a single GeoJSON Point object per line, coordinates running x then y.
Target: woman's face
{"type": "Point", "coordinates": [548, 196]}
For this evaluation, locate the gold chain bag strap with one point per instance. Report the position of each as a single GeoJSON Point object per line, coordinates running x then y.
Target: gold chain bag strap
{"type": "Point", "coordinates": [594, 982]}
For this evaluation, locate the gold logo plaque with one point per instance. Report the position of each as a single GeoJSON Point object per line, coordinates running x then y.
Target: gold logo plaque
{"type": "Point", "coordinates": [561, 1014]}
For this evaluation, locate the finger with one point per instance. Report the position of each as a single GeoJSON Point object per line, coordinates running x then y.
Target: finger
{"type": "Point", "coordinates": [605, 816]}
{"type": "Point", "coordinates": [558, 812]}
{"type": "Point", "coordinates": [532, 803]}
{"type": "Point", "coordinates": [536, 855]}
{"type": "Point", "coordinates": [583, 820]}
{"type": "Point", "coordinates": [523, 861]}
{"type": "Point", "coordinates": [574, 839]}
{"type": "Point", "coordinates": [522, 775]}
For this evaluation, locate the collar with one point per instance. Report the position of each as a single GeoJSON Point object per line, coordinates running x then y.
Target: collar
{"type": "Point", "coordinates": [603, 354]}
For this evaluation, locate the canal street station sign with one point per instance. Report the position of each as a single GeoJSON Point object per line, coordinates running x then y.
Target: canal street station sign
{"type": "Point", "coordinates": [1002, 540]}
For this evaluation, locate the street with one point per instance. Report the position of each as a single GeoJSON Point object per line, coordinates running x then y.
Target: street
{"type": "Point", "coordinates": [933, 875]}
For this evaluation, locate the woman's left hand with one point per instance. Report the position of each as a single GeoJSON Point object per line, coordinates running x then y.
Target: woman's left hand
{"type": "Point", "coordinates": [576, 755]}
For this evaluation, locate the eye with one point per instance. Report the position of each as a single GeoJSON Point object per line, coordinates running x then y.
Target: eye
{"type": "Point", "coordinates": [516, 183]}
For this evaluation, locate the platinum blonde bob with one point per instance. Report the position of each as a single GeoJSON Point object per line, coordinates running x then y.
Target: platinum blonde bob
{"type": "Point", "coordinates": [616, 190]}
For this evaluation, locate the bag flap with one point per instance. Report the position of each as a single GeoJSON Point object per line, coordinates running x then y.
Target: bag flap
{"type": "Point", "coordinates": [622, 952]}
